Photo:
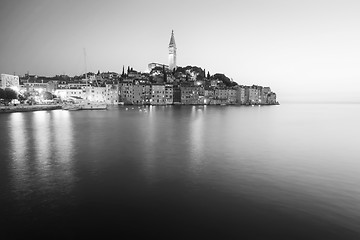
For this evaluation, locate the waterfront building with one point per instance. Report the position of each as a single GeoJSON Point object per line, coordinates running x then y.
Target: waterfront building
{"type": "Point", "coordinates": [176, 94]}
{"type": "Point", "coordinates": [240, 95]}
{"type": "Point", "coordinates": [251, 94]}
{"type": "Point", "coordinates": [96, 94]}
{"type": "Point", "coordinates": [67, 93]}
{"type": "Point", "coordinates": [35, 86]}
{"type": "Point", "coordinates": [264, 95]}
{"type": "Point", "coordinates": [112, 94]}
{"type": "Point", "coordinates": [172, 52]}
{"type": "Point", "coordinates": [271, 99]}
{"type": "Point", "coordinates": [148, 93]}
{"type": "Point", "coordinates": [209, 94]}
{"type": "Point", "coordinates": [9, 81]}
{"type": "Point", "coordinates": [220, 96]}
{"type": "Point", "coordinates": [126, 91]}
{"type": "Point", "coordinates": [138, 94]}
{"type": "Point", "coordinates": [158, 94]}
{"type": "Point", "coordinates": [169, 93]}
{"type": "Point", "coordinates": [232, 96]}
{"type": "Point", "coordinates": [191, 94]}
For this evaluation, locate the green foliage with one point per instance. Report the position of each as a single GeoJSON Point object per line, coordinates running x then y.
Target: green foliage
{"type": "Point", "coordinates": [165, 75]}
{"type": "Point", "coordinates": [2, 93]}
{"type": "Point", "coordinates": [156, 69]}
{"type": "Point", "coordinates": [224, 79]}
{"type": "Point", "coordinates": [47, 96]}
{"type": "Point", "coordinates": [8, 94]}
{"type": "Point", "coordinates": [22, 98]}
{"type": "Point", "coordinates": [180, 70]}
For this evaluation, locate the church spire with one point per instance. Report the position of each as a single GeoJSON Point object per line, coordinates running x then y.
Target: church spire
{"type": "Point", "coordinates": [172, 39]}
{"type": "Point", "coordinates": [172, 52]}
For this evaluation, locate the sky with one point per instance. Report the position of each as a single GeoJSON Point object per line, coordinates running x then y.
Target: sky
{"type": "Point", "coordinates": [306, 51]}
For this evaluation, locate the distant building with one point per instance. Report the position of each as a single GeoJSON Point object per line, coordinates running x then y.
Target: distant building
{"type": "Point", "coordinates": [191, 94]}
{"type": "Point", "coordinates": [271, 99]}
{"type": "Point", "coordinates": [209, 94]}
{"type": "Point", "coordinates": [112, 94]}
{"type": "Point", "coordinates": [158, 94]}
{"type": "Point", "coordinates": [232, 94]}
{"type": "Point", "coordinates": [126, 91]}
{"type": "Point", "coordinates": [251, 94]}
{"type": "Point", "coordinates": [151, 66]}
{"type": "Point", "coordinates": [9, 81]}
{"type": "Point", "coordinates": [176, 94]}
{"type": "Point", "coordinates": [138, 94]}
{"type": "Point", "coordinates": [240, 95]}
{"type": "Point", "coordinates": [172, 52]}
{"type": "Point", "coordinates": [169, 94]}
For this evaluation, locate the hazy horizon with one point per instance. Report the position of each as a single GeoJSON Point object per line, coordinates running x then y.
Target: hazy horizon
{"type": "Point", "coordinates": [303, 50]}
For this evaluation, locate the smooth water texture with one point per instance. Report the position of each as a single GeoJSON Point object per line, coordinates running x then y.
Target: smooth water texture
{"type": "Point", "coordinates": [270, 172]}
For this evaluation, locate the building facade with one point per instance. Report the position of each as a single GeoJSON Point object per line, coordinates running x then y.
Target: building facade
{"type": "Point", "coordinates": [158, 94]}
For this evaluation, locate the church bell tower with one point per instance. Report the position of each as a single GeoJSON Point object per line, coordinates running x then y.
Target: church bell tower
{"type": "Point", "coordinates": [172, 52]}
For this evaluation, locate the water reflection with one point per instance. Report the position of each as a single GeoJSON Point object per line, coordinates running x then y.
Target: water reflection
{"type": "Point", "coordinates": [42, 139]}
{"type": "Point", "coordinates": [197, 138]}
{"type": "Point", "coordinates": [148, 131]}
{"type": "Point", "coordinates": [64, 136]}
{"type": "Point", "coordinates": [42, 149]}
{"type": "Point", "coordinates": [19, 148]}
{"type": "Point", "coordinates": [62, 129]}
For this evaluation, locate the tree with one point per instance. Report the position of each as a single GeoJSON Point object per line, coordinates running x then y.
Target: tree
{"type": "Point", "coordinates": [9, 94]}
{"type": "Point", "coordinates": [47, 96]}
{"type": "Point", "coordinates": [123, 72]}
{"type": "Point", "coordinates": [128, 70]}
{"type": "Point", "coordinates": [208, 75]}
{"type": "Point", "coordinates": [22, 98]}
{"type": "Point", "coordinates": [224, 79]}
{"type": "Point", "coordinates": [2, 93]}
{"type": "Point", "coordinates": [164, 72]}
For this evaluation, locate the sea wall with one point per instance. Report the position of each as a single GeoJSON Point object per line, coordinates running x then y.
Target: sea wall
{"type": "Point", "coordinates": [28, 108]}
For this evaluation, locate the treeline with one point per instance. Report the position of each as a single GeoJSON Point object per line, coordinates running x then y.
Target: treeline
{"type": "Point", "coordinates": [7, 95]}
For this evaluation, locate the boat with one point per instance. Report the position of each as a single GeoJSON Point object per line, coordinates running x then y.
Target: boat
{"type": "Point", "coordinates": [79, 103]}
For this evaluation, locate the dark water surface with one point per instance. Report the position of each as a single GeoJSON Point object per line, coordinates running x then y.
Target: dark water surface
{"type": "Point", "coordinates": [182, 172]}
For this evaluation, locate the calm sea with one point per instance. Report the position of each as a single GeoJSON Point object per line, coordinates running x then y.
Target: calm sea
{"type": "Point", "coordinates": [182, 172]}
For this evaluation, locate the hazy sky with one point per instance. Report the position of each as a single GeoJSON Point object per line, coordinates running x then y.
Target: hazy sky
{"type": "Point", "coordinates": [304, 50]}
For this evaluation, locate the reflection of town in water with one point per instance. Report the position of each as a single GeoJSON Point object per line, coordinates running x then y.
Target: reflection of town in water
{"type": "Point", "coordinates": [41, 151]}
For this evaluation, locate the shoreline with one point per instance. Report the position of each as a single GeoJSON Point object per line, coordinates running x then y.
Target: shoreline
{"type": "Point", "coordinates": [33, 108]}
{"type": "Point", "coordinates": [28, 108]}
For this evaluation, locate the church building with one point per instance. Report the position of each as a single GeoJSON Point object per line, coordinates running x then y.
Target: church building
{"type": "Point", "coordinates": [172, 56]}
{"type": "Point", "coordinates": [172, 52]}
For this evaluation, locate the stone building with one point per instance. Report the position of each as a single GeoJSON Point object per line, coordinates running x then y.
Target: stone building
{"type": "Point", "coordinates": [172, 52]}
